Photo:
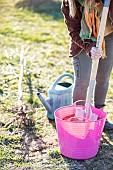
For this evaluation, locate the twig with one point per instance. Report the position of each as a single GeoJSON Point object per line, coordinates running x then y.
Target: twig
{"type": "Point", "coordinates": [22, 63]}
{"type": "Point", "coordinates": [21, 76]}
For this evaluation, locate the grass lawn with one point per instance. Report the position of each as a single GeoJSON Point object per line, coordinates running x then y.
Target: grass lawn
{"type": "Point", "coordinates": [28, 140]}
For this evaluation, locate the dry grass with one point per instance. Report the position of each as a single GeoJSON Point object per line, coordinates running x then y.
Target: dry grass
{"type": "Point", "coordinates": [30, 140]}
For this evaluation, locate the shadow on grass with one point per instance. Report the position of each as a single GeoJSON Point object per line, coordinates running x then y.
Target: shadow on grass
{"type": "Point", "coordinates": [49, 7]}
{"type": "Point", "coordinates": [32, 142]}
{"type": "Point", "coordinates": [52, 122]}
{"type": "Point", "coordinates": [24, 140]}
{"type": "Point", "coordinates": [18, 152]}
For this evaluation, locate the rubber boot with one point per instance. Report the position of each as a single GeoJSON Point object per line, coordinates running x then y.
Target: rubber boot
{"type": "Point", "coordinates": [108, 125]}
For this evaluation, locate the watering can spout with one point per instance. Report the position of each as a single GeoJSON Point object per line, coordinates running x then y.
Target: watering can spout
{"type": "Point", "coordinates": [45, 102]}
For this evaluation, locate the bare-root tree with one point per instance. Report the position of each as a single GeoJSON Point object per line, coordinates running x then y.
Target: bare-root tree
{"type": "Point", "coordinates": [20, 111]}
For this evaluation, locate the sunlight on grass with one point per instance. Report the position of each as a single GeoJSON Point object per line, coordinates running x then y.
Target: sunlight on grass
{"type": "Point", "coordinates": [39, 26]}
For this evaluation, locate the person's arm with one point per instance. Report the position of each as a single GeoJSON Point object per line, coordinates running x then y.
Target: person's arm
{"type": "Point", "coordinates": [74, 27]}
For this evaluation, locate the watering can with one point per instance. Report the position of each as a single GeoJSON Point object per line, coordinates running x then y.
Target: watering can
{"type": "Point", "coordinates": [59, 94]}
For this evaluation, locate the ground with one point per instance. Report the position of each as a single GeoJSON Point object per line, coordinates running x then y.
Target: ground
{"type": "Point", "coordinates": [28, 139]}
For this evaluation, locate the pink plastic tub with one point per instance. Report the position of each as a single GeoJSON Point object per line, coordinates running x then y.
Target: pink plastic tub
{"type": "Point", "coordinates": [78, 140]}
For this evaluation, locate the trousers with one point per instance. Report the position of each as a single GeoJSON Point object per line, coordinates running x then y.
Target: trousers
{"type": "Point", "coordinates": [82, 69]}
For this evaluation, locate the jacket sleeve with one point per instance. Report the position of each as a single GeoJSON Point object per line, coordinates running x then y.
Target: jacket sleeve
{"type": "Point", "coordinates": [74, 27]}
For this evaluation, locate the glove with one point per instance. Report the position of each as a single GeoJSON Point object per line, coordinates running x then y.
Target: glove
{"type": "Point", "coordinates": [96, 53]}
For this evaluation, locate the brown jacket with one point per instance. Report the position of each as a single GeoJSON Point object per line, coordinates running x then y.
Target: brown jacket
{"type": "Point", "coordinates": [74, 27]}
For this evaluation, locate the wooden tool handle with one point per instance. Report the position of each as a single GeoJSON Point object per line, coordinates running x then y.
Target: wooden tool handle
{"type": "Point", "coordinates": [96, 62]}
{"type": "Point", "coordinates": [99, 41]}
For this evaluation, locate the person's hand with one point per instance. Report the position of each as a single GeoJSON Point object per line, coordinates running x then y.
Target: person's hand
{"type": "Point", "coordinates": [96, 53]}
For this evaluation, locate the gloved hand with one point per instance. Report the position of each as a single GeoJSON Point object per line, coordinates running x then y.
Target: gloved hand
{"type": "Point", "coordinates": [96, 53]}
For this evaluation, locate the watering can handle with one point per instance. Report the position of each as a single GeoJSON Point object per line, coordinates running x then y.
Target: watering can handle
{"type": "Point", "coordinates": [60, 77]}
